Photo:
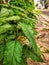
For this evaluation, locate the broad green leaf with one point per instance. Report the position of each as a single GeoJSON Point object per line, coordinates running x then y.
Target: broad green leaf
{"type": "Point", "coordinates": [13, 53]}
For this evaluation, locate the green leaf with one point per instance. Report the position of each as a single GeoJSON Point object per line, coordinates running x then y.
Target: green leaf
{"type": "Point", "coordinates": [9, 37]}
{"type": "Point", "coordinates": [27, 30]}
{"type": "Point", "coordinates": [34, 56]}
{"type": "Point", "coordinates": [4, 12]}
{"type": "Point", "coordinates": [2, 37]}
{"type": "Point", "coordinates": [30, 22]}
{"type": "Point", "coordinates": [29, 53]}
{"type": "Point", "coordinates": [13, 53]}
{"type": "Point", "coordinates": [13, 18]}
{"type": "Point", "coordinates": [4, 28]}
{"type": "Point", "coordinates": [11, 12]}
{"type": "Point", "coordinates": [1, 52]}
{"type": "Point", "coordinates": [23, 62]}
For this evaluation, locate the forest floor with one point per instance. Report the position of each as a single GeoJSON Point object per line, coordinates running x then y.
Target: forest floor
{"type": "Point", "coordinates": [42, 38]}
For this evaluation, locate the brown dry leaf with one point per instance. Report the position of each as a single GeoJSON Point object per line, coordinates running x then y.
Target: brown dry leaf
{"type": "Point", "coordinates": [24, 41]}
{"type": "Point", "coordinates": [46, 56]}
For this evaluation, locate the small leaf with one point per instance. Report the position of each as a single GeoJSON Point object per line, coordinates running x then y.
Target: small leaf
{"type": "Point", "coordinates": [2, 37]}
{"type": "Point", "coordinates": [10, 37]}
{"type": "Point", "coordinates": [4, 28]}
{"type": "Point", "coordinates": [13, 18]}
{"type": "Point", "coordinates": [4, 12]}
